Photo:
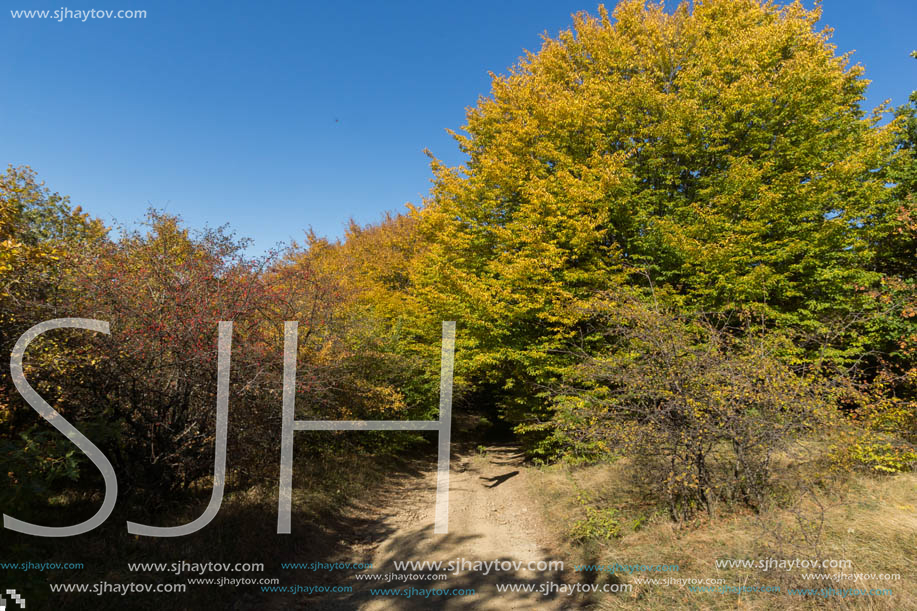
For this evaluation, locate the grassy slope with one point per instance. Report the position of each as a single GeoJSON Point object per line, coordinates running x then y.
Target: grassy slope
{"type": "Point", "coordinates": [869, 520]}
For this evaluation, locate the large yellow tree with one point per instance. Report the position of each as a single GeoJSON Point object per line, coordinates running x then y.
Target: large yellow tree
{"type": "Point", "coordinates": [717, 152]}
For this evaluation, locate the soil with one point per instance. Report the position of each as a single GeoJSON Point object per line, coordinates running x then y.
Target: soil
{"type": "Point", "coordinates": [491, 517]}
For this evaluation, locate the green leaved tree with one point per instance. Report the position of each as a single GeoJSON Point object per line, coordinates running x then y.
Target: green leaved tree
{"type": "Point", "coordinates": [718, 153]}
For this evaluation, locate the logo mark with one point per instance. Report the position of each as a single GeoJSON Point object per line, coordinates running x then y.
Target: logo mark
{"type": "Point", "coordinates": [15, 597]}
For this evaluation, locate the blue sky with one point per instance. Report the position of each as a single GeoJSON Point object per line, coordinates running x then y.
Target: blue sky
{"type": "Point", "coordinates": [274, 117]}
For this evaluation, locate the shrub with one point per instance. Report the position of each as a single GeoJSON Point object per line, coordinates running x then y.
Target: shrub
{"type": "Point", "coordinates": [699, 410]}
{"type": "Point", "coordinates": [599, 523]}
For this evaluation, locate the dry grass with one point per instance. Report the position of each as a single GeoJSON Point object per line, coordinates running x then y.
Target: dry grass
{"type": "Point", "coordinates": [869, 520]}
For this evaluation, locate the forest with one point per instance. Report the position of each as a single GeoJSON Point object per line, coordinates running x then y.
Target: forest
{"type": "Point", "coordinates": [678, 244]}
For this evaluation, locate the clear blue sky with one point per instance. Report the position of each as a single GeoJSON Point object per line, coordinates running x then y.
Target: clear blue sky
{"type": "Point", "coordinates": [277, 116]}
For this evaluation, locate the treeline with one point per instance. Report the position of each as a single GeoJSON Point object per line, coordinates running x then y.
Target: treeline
{"type": "Point", "coordinates": [677, 236]}
{"type": "Point", "coordinates": [146, 393]}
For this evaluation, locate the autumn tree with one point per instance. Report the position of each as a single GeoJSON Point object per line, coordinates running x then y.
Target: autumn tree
{"type": "Point", "coordinates": [719, 150]}
{"type": "Point", "coordinates": [163, 289]}
{"type": "Point", "coordinates": [39, 231]}
{"type": "Point", "coordinates": [373, 264]}
{"type": "Point", "coordinates": [887, 401]}
{"type": "Point", "coordinates": [359, 357]}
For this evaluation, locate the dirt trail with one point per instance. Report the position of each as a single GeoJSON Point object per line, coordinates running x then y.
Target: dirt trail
{"type": "Point", "coordinates": [490, 518]}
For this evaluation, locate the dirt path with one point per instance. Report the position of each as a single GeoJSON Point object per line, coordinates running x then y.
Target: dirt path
{"type": "Point", "coordinates": [490, 518]}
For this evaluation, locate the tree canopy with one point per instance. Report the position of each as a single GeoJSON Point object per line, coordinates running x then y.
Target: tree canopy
{"type": "Point", "coordinates": [718, 153]}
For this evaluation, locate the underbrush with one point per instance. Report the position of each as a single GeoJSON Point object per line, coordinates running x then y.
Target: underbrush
{"type": "Point", "coordinates": [868, 519]}
{"type": "Point", "coordinates": [244, 531]}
